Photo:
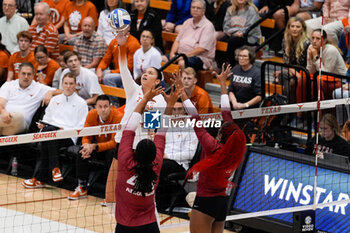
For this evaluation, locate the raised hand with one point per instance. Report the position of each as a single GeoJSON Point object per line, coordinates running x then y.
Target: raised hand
{"type": "Point", "coordinates": [174, 95]}
{"type": "Point", "coordinates": [225, 73]}
{"type": "Point", "coordinates": [122, 37]}
{"type": "Point", "coordinates": [177, 79]}
{"type": "Point", "coordinates": [153, 92]}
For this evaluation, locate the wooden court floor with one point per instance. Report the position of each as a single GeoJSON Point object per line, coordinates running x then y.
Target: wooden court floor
{"type": "Point", "coordinates": [50, 204]}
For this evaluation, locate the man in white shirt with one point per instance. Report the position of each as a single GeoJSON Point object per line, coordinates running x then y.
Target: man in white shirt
{"type": "Point", "coordinates": [180, 148]}
{"type": "Point", "coordinates": [11, 24]}
{"type": "Point", "coordinates": [87, 82]}
{"type": "Point", "coordinates": [19, 100]}
{"type": "Point", "coordinates": [65, 111]}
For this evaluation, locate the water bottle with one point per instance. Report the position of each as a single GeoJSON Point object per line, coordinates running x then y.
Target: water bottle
{"type": "Point", "coordinates": [14, 166]}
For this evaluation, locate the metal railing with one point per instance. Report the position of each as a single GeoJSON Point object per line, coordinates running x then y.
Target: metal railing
{"type": "Point", "coordinates": [279, 78]}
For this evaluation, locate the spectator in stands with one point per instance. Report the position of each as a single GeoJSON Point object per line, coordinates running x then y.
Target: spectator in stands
{"type": "Point", "coordinates": [11, 24]}
{"type": "Point", "coordinates": [45, 66]}
{"type": "Point", "coordinates": [296, 42]}
{"type": "Point", "coordinates": [292, 7]}
{"type": "Point", "coordinates": [331, 140]}
{"type": "Point", "coordinates": [294, 46]}
{"type": "Point", "coordinates": [310, 9]}
{"type": "Point", "coordinates": [198, 96]}
{"type": "Point", "coordinates": [101, 147]}
{"type": "Point", "coordinates": [239, 17]}
{"type": "Point", "coordinates": [4, 62]}
{"type": "Point", "coordinates": [19, 99]}
{"type": "Point", "coordinates": [333, 12]}
{"type": "Point", "coordinates": [144, 17]}
{"type": "Point", "coordinates": [146, 56]}
{"type": "Point", "coordinates": [220, 9]}
{"type": "Point", "coordinates": [65, 111]}
{"type": "Point", "coordinates": [112, 77]}
{"type": "Point", "coordinates": [332, 60]}
{"type": "Point", "coordinates": [245, 85]}
{"type": "Point", "coordinates": [179, 12]}
{"type": "Point", "coordinates": [44, 32]}
{"type": "Point", "coordinates": [196, 39]}
{"type": "Point", "coordinates": [24, 40]}
{"type": "Point", "coordinates": [57, 8]}
{"type": "Point", "coordinates": [180, 148]}
{"type": "Point", "coordinates": [75, 12]}
{"type": "Point", "coordinates": [103, 22]}
{"type": "Point", "coordinates": [87, 84]}
{"type": "Point", "coordinates": [58, 73]}
{"type": "Point", "coordinates": [90, 45]}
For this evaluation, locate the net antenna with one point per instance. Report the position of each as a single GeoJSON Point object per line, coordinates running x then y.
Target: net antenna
{"type": "Point", "coordinates": [317, 152]}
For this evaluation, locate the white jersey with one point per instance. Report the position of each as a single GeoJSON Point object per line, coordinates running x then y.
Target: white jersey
{"type": "Point", "coordinates": [87, 83]}
{"type": "Point", "coordinates": [67, 112]}
{"type": "Point", "coordinates": [134, 95]}
{"type": "Point", "coordinates": [25, 101]}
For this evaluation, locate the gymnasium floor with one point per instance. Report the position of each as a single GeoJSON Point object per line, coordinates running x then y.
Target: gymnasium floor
{"type": "Point", "coordinates": [49, 210]}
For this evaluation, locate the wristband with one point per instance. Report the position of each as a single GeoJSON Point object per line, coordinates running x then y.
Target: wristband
{"type": "Point", "coordinates": [246, 105]}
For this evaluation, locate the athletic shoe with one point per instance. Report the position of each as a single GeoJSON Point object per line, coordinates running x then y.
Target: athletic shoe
{"type": "Point", "coordinates": [33, 184]}
{"type": "Point", "coordinates": [103, 203]}
{"type": "Point", "coordinates": [56, 175]}
{"type": "Point", "coordinates": [79, 193]}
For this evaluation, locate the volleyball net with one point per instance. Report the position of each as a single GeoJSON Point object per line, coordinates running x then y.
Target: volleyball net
{"type": "Point", "coordinates": [270, 185]}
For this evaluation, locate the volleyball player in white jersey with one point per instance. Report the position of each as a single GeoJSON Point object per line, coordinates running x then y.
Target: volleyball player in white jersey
{"type": "Point", "coordinates": [134, 94]}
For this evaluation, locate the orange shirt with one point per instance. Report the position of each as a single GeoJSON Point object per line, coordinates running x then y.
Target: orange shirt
{"type": "Point", "coordinates": [47, 37]}
{"type": "Point", "coordinates": [75, 14]}
{"type": "Point", "coordinates": [57, 9]}
{"type": "Point", "coordinates": [47, 72]}
{"type": "Point", "coordinates": [139, 19]}
{"type": "Point", "coordinates": [111, 55]}
{"type": "Point", "coordinates": [105, 141]}
{"type": "Point", "coordinates": [4, 62]}
{"type": "Point", "coordinates": [201, 100]}
{"type": "Point", "coordinates": [4, 59]}
{"type": "Point", "coordinates": [16, 60]}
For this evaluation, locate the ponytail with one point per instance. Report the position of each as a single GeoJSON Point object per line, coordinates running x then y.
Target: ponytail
{"type": "Point", "coordinates": [146, 178]}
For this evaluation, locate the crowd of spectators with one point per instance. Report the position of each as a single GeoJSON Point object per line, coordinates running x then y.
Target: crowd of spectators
{"type": "Point", "coordinates": [32, 69]}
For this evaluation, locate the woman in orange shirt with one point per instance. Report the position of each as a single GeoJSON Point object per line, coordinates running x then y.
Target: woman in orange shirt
{"type": "Point", "coordinates": [4, 61]}
{"type": "Point", "coordinates": [74, 14]}
{"type": "Point", "coordinates": [45, 66]}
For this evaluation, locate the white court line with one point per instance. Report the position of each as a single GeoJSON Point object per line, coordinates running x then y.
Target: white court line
{"type": "Point", "coordinates": [12, 221]}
